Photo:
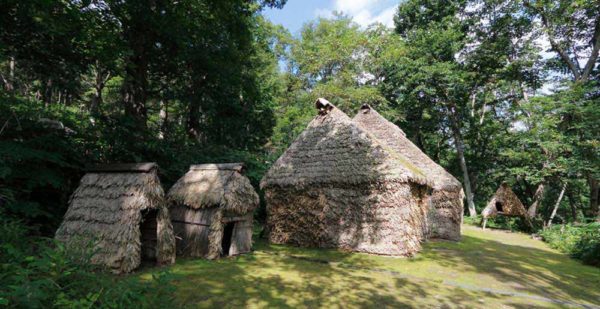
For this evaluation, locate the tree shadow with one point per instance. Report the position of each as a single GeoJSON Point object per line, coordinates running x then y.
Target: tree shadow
{"type": "Point", "coordinates": [284, 283]}
{"type": "Point", "coordinates": [525, 269]}
{"type": "Point", "coordinates": [285, 276]}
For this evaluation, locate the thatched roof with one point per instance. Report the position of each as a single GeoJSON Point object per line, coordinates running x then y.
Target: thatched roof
{"type": "Point", "coordinates": [333, 149]}
{"type": "Point", "coordinates": [395, 138]}
{"type": "Point", "coordinates": [106, 208]}
{"type": "Point", "coordinates": [215, 185]}
{"type": "Point", "coordinates": [123, 168]}
{"type": "Point", "coordinates": [509, 203]}
{"type": "Point", "coordinates": [238, 167]}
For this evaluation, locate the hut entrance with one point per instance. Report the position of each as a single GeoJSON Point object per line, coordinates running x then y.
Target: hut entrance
{"type": "Point", "coordinates": [226, 241]}
{"type": "Point", "coordinates": [148, 230]}
{"type": "Point", "coordinates": [499, 207]}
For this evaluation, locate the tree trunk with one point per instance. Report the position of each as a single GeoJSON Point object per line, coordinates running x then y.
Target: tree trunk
{"type": "Point", "coordinates": [10, 85]}
{"type": "Point", "coordinates": [100, 80]}
{"type": "Point", "coordinates": [164, 118]}
{"type": "Point", "coordinates": [560, 197]}
{"type": "Point", "coordinates": [47, 95]}
{"type": "Point", "coordinates": [537, 200]}
{"type": "Point", "coordinates": [572, 204]}
{"type": "Point", "coordinates": [594, 190]}
{"type": "Point", "coordinates": [458, 142]}
{"type": "Point", "coordinates": [135, 91]}
{"type": "Point", "coordinates": [195, 108]}
{"type": "Point", "coordinates": [140, 39]}
{"type": "Point", "coordinates": [193, 120]}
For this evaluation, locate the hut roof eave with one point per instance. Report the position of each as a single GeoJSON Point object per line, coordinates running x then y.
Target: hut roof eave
{"type": "Point", "coordinates": [122, 168]}
{"type": "Point", "coordinates": [210, 187]}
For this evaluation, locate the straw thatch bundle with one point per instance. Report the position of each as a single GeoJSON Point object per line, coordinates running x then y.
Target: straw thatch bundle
{"type": "Point", "coordinates": [112, 209]}
{"type": "Point", "coordinates": [446, 200]}
{"type": "Point", "coordinates": [505, 203]}
{"type": "Point", "coordinates": [204, 202]}
{"type": "Point", "coordinates": [338, 186]}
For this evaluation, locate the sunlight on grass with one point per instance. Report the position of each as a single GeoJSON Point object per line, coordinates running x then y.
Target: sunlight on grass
{"type": "Point", "coordinates": [511, 266]}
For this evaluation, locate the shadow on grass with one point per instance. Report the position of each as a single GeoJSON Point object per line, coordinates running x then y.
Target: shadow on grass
{"type": "Point", "coordinates": [524, 269]}
{"type": "Point", "coordinates": [274, 276]}
{"type": "Point", "coordinates": [285, 277]}
{"type": "Point", "coordinates": [275, 281]}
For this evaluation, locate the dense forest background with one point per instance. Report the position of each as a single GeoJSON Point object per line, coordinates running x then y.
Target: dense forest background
{"type": "Point", "coordinates": [494, 90]}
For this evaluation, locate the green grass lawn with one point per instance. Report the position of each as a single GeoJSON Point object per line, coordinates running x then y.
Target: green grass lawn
{"type": "Point", "coordinates": [492, 269]}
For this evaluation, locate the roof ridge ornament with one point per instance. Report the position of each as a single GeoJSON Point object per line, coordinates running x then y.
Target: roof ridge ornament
{"type": "Point", "coordinates": [323, 106]}
{"type": "Point", "coordinates": [365, 108]}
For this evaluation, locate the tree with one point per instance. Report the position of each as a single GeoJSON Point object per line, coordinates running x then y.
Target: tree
{"type": "Point", "coordinates": [331, 59]}
{"type": "Point", "coordinates": [430, 75]}
{"type": "Point", "coordinates": [335, 59]}
{"type": "Point", "coordinates": [573, 31]}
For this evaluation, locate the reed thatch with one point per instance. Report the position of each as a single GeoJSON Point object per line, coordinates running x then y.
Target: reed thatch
{"type": "Point", "coordinates": [338, 186]}
{"type": "Point", "coordinates": [204, 201]}
{"type": "Point", "coordinates": [505, 203]}
{"type": "Point", "coordinates": [446, 200]}
{"type": "Point", "coordinates": [108, 210]}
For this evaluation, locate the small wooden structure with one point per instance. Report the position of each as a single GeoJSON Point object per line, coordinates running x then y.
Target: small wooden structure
{"type": "Point", "coordinates": [120, 210]}
{"type": "Point", "coordinates": [212, 211]}
{"type": "Point", "coordinates": [505, 203]}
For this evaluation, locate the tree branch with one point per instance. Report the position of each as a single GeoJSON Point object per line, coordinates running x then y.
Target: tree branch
{"type": "Point", "coordinates": [595, 49]}
{"type": "Point", "coordinates": [561, 52]}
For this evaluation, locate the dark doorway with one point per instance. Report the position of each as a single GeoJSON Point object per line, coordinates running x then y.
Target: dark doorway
{"type": "Point", "coordinates": [227, 234]}
{"type": "Point", "coordinates": [149, 235]}
{"type": "Point", "coordinates": [499, 207]}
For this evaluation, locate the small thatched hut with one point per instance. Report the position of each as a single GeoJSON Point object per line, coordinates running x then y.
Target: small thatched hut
{"type": "Point", "coordinates": [338, 186]}
{"type": "Point", "coordinates": [505, 203]}
{"type": "Point", "coordinates": [211, 208]}
{"type": "Point", "coordinates": [446, 200]}
{"type": "Point", "coordinates": [120, 209]}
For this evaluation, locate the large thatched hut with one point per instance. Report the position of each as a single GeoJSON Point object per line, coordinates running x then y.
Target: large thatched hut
{"type": "Point", "coordinates": [444, 216]}
{"type": "Point", "coordinates": [121, 211]}
{"type": "Point", "coordinates": [338, 186]}
{"type": "Point", "coordinates": [505, 203]}
{"type": "Point", "coordinates": [211, 208]}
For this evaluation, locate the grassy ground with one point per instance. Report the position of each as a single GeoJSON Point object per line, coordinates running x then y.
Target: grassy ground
{"type": "Point", "coordinates": [491, 269]}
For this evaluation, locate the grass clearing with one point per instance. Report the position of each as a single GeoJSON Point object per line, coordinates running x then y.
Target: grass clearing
{"type": "Point", "coordinates": [486, 268]}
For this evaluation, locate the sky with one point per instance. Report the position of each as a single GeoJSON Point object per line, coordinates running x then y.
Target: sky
{"type": "Point", "coordinates": [364, 12]}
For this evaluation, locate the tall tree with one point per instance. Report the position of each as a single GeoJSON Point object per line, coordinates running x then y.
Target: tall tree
{"type": "Point", "coordinates": [573, 30]}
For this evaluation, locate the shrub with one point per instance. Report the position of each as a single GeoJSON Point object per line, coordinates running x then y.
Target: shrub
{"type": "Point", "coordinates": [500, 222]}
{"type": "Point", "coordinates": [580, 241]}
{"type": "Point", "coordinates": [38, 273]}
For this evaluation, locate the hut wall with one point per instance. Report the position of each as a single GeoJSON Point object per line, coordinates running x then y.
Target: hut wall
{"type": "Point", "coordinates": [386, 219]}
{"type": "Point", "coordinates": [166, 238]}
{"type": "Point", "coordinates": [241, 240]}
{"type": "Point", "coordinates": [192, 229]}
{"type": "Point", "coordinates": [511, 205]}
{"type": "Point", "coordinates": [106, 211]}
{"type": "Point", "coordinates": [445, 214]}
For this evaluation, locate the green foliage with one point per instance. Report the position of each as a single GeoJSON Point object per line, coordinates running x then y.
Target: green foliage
{"type": "Point", "coordinates": [334, 59]}
{"type": "Point", "coordinates": [197, 81]}
{"type": "Point", "coordinates": [39, 273]}
{"type": "Point", "coordinates": [580, 241]}
{"type": "Point", "coordinates": [39, 160]}
{"type": "Point", "coordinates": [515, 224]}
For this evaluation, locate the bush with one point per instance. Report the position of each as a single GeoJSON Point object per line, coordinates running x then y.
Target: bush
{"type": "Point", "coordinates": [38, 273]}
{"type": "Point", "coordinates": [580, 241]}
{"type": "Point", "coordinates": [500, 222]}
